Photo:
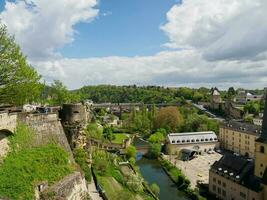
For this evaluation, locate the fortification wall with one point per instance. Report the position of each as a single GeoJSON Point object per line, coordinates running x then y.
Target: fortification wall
{"type": "Point", "coordinates": [8, 121]}
{"type": "Point", "coordinates": [72, 187]}
{"type": "Point", "coordinates": [48, 128]}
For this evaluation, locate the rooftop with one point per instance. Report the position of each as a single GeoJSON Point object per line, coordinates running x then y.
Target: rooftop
{"type": "Point", "coordinates": [238, 169]}
{"type": "Point", "coordinates": [192, 137]}
{"type": "Point", "coordinates": [243, 127]}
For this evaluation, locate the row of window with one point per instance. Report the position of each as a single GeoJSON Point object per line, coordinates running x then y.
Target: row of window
{"type": "Point", "coordinates": [193, 140]}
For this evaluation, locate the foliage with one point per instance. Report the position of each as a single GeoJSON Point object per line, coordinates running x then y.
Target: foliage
{"type": "Point", "coordinates": [22, 169]}
{"type": "Point", "coordinates": [157, 137]}
{"type": "Point", "coordinates": [23, 138]}
{"type": "Point", "coordinates": [140, 122]}
{"type": "Point", "coordinates": [19, 82]}
{"type": "Point", "coordinates": [168, 118]}
{"type": "Point", "coordinates": [119, 138]}
{"type": "Point", "coordinates": [108, 134]}
{"type": "Point", "coordinates": [134, 183]}
{"type": "Point", "coordinates": [195, 122]}
{"type": "Point", "coordinates": [155, 189]}
{"type": "Point", "coordinates": [131, 152]}
{"type": "Point", "coordinates": [58, 94]}
{"type": "Point", "coordinates": [154, 150]}
{"type": "Point", "coordinates": [175, 174]}
{"type": "Point", "coordinates": [94, 130]}
{"type": "Point", "coordinates": [252, 107]}
{"type": "Point", "coordinates": [81, 157]}
{"type": "Point", "coordinates": [132, 161]}
{"type": "Point", "coordinates": [25, 165]}
{"type": "Point", "coordinates": [248, 119]}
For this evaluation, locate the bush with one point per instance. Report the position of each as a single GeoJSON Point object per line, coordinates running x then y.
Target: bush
{"type": "Point", "coordinates": [155, 189]}
{"type": "Point", "coordinates": [22, 169]}
{"type": "Point", "coordinates": [131, 152]}
{"type": "Point", "coordinates": [80, 156]}
{"type": "Point", "coordinates": [154, 150]}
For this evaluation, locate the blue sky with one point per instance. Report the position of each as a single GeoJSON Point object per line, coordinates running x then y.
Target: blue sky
{"type": "Point", "coordinates": [130, 28]}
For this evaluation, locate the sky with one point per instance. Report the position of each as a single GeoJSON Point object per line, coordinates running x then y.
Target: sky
{"type": "Point", "coordinates": [190, 43]}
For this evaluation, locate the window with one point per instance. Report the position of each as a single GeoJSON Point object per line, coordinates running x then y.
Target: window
{"type": "Point", "coordinates": [224, 184]}
{"type": "Point", "coordinates": [243, 195]}
{"type": "Point", "coordinates": [224, 193]}
{"type": "Point", "coordinates": [262, 149]}
{"type": "Point", "coordinates": [214, 187]}
{"type": "Point", "coordinates": [261, 165]}
{"type": "Point", "coordinates": [214, 179]}
{"type": "Point", "coordinates": [219, 182]}
{"type": "Point", "coordinates": [219, 190]}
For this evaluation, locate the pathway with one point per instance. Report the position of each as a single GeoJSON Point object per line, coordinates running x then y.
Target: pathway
{"type": "Point", "coordinates": [94, 194]}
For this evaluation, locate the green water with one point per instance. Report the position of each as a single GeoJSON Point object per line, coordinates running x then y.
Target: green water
{"type": "Point", "coordinates": [153, 173]}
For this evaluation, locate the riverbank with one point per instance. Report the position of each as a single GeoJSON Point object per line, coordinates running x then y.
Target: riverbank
{"type": "Point", "coordinates": [180, 180]}
{"type": "Point", "coordinates": [153, 172]}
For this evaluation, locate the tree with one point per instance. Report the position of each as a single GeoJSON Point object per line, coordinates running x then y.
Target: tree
{"type": "Point", "coordinates": [59, 94]}
{"type": "Point", "coordinates": [168, 118]}
{"type": "Point", "coordinates": [157, 137]}
{"type": "Point", "coordinates": [231, 92]}
{"type": "Point", "coordinates": [155, 189]}
{"type": "Point", "coordinates": [197, 97]}
{"type": "Point", "coordinates": [252, 108]}
{"type": "Point", "coordinates": [19, 82]}
{"type": "Point", "coordinates": [154, 150]}
{"type": "Point", "coordinates": [131, 152]}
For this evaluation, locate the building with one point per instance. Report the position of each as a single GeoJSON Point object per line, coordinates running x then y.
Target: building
{"type": "Point", "coordinates": [239, 178]}
{"type": "Point", "coordinates": [215, 99]}
{"type": "Point", "coordinates": [239, 137]}
{"type": "Point", "coordinates": [197, 141]}
{"type": "Point", "coordinates": [243, 97]}
{"type": "Point", "coordinates": [231, 178]}
{"type": "Point", "coordinates": [257, 121]}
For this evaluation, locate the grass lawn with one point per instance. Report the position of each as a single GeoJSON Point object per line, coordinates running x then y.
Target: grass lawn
{"type": "Point", "coordinates": [119, 137]}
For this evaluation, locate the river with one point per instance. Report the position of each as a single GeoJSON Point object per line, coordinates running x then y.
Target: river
{"type": "Point", "coordinates": [152, 172]}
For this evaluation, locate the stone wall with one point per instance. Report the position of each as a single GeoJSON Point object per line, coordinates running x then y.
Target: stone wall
{"type": "Point", "coordinates": [8, 121]}
{"type": "Point", "coordinates": [72, 187]}
{"type": "Point", "coordinates": [48, 128]}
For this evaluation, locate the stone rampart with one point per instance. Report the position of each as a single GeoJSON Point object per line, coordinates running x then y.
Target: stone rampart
{"type": "Point", "coordinates": [72, 187]}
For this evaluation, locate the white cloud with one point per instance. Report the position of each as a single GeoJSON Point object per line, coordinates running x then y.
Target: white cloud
{"type": "Point", "coordinates": [221, 43]}
{"type": "Point", "coordinates": [166, 68]}
{"type": "Point", "coordinates": [42, 26]}
{"type": "Point", "coordinates": [220, 29]}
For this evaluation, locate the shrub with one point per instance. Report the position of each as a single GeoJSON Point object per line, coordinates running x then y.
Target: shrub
{"type": "Point", "coordinates": [155, 189]}
{"type": "Point", "coordinates": [22, 169]}
{"type": "Point", "coordinates": [80, 156]}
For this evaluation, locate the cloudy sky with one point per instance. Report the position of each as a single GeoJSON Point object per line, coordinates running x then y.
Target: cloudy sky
{"type": "Point", "coordinates": [145, 42]}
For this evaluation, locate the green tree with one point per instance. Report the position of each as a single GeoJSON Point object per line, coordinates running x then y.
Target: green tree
{"type": "Point", "coordinates": [155, 189]}
{"type": "Point", "coordinates": [81, 157]}
{"type": "Point", "coordinates": [157, 137]}
{"type": "Point", "coordinates": [168, 118]}
{"type": "Point", "coordinates": [131, 152]}
{"type": "Point", "coordinates": [59, 94]}
{"type": "Point", "coordinates": [19, 82]}
{"type": "Point", "coordinates": [252, 107]}
{"type": "Point", "coordinates": [154, 150]}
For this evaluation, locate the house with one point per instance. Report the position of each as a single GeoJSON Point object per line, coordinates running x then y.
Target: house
{"type": "Point", "coordinates": [239, 137]}
{"type": "Point", "coordinates": [243, 97]}
{"type": "Point", "coordinates": [236, 177]}
{"type": "Point", "coordinates": [197, 141]}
